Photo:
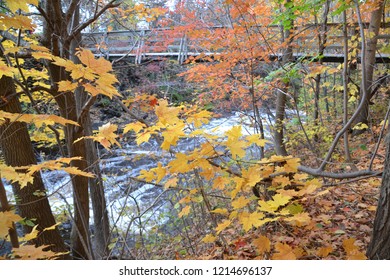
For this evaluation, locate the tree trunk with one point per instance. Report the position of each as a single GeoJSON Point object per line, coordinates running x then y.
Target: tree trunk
{"type": "Point", "coordinates": [379, 247]}
{"type": "Point", "coordinates": [18, 151]}
{"type": "Point", "coordinates": [52, 33]}
{"type": "Point", "coordinates": [322, 39]}
{"type": "Point", "coordinates": [13, 235]}
{"type": "Point", "coordinates": [96, 188]}
{"type": "Point", "coordinates": [372, 40]}
{"type": "Point", "coordinates": [281, 98]}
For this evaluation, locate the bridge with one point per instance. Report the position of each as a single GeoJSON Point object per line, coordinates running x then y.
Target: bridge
{"type": "Point", "coordinates": [160, 43]}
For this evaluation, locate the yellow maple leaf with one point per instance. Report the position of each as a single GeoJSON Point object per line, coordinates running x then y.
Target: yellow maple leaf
{"type": "Point", "coordinates": [92, 90]}
{"type": "Point", "coordinates": [160, 172]}
{"type": "Point", "coordinates": [185, 211]}
{"type": "Point", "coordinates": [256, 139]}
{"type": "Point", "coordinates": [99, 66]}
{"type": "Point", "coordinates": [15, 5]}
{"type": "Point", "coordinates": [291, 165]}
{"type": "Point", "coordinates": [17, 22]}
{"type": "Point", "coordinates": [39, 48]}
{"type": "Point", "coordinates": [37, 119]}
{"type": "Point", "coordinates": [207, 149]}
{"type": "Point", "coordinates": [234, 133]}
{"type": "Point", "coordinates": [209, 238]}
{"type": "Point", "coordinates": [281, 180]}
{"type": "Point", "coordinates": [208, 173]}
{"type": "Point", "coordinates": [67, 86]}
{"type": "Point", "coordinates": [57, 164]}
{"type": "Point", "coordinates": [236, 147]}
{"type": "Point", "coordinates": [106, 135]}
{"type": "Point", "coordinates": [272, 205]}
{"type": "Point", "coordinates": [360, 126]}
{"type": "Point", "coordinates": [180, 164]}
{"type": "Point", "coordinates": [7, 218]}
{"type": "Point", "coordinates": [165, 113]}
{"type": "Point", "coordinates": [221, 182]}
{"type": "Point", "coordinates": [199, 118]}
{"type": "Point", "coordinates": [357, 255]}
{"type": "Point", "coordinates": [42, 55]}
{"type": "Point", "coordinates": [310, 187]}
{"type": "Point", "coordinates": [11, 48]}
{"type": "Point", "coordinates": [250, 220]}
{"type": "Point", "coordinates": [239, 183]}
{"type": "Point", "coordinates": [223, 225]}
{"type": "Point", "coordinates": [172, 134]}
{"type": "Point", "coordinates": [349, 244]}
{"type": "Point", "coordinates": [352, 250]}
{"type": "Point", "coordinates": [5, 70]}
{"type": "Point", "coordinates": [299, 219]}
{"type": "Point", "coordinates": [147, 175]}
{"type": "Point", "coordinates": [104, 83]}
{"type": "Point", "coordinates": [280, 200]}
{"type": "Point", "coordinates": [143, 137]}
{"type": "Point", "coordinates": [262, 244]}
{"type": "Point", "coordinates": [136, 127]}
{"type": "Point", "coordinates": [14, 176]}
{"type": "Point", "coordinates": [241, 202]}
{"type": "Point", "coordinates": [266, 206]}
{"type": "Point", "coordinates": [284, 252]}
{"type": "Point", "coordinates": [252, 176]}
{"type": "Point", "coordinates": [267, 170]}
{"type": "Point", "coordinates": [222, 211]}
{"type": "Point", "coordinates": [300, 176]}
{"type": "Point", "coordinates": [76, 71]}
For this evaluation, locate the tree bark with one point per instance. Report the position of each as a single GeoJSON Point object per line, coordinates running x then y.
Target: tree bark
{"type": "Point", "coordinates": [322, 39]}
{"type": "Point", "coordinates": [281, 98]}
{"type": "Point", "coordinates": [370, 51]}
{"type": "Point", "coordinates": [55, 38]}
{"type": "Point", "coordinates": [18, 151]}
{"type": "Point", "coordinates": [96, 188]}
{"type": "Point", "coordinates": [379, 247]}
{"type": "Point", "coordinates": [13, 235]}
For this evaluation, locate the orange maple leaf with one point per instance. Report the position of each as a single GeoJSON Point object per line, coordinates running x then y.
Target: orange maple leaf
{"type": "Point", "coordinates": [263, 244]}
{"type": "Point", "coordinates": [284, 252]}
{"type": "Point", "coordinates": [324, 251]}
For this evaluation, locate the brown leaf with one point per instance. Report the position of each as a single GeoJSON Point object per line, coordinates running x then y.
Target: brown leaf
{"type": "Point", "coordinates": [284, 252]}
{"type": "Point", "coordinates": [323, 252]}
{"type": "Point", "coordinates": [263, 244]}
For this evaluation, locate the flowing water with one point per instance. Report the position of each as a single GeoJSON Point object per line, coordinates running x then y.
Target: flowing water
{"type": "Point", "coordinates": [133, 205]}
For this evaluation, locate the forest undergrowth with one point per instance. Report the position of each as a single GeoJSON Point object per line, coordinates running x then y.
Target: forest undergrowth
{"type": "Point", "coordinates": [341, 212]}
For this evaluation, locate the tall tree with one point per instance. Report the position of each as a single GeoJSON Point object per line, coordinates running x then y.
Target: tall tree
{"type": "Point", "coordinates": [281, 98]}
{"type": "Point", "coordinates": [17, 150]}
{"type": "Point", "coordinates": [58, 35]}
{"type": "Point", "coordinates": [100, 215]}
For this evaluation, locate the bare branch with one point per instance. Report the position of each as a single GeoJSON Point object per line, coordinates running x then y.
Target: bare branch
{"type": "Point", "coordinates": [364, 95]}
{"type": "Point", "coordinates": [44, 15]}
{"type": "Point", "coordinates": [85, 110]}
{"type": "Point", "coordinates": [72, 7]}
{"type": "Point", "coordinates": [82, 26]}
{"type": "Point", "coordinates": [348, 175]}
{"type": "Point", "coordinates": [374, 154]}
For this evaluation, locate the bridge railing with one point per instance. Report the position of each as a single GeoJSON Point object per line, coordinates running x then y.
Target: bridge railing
{"type": "Point", "coordinates": [163, 42]}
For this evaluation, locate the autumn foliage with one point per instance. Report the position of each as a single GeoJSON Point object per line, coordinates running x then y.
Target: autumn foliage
{"type": "Point", "coordinates": [243, 200]}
